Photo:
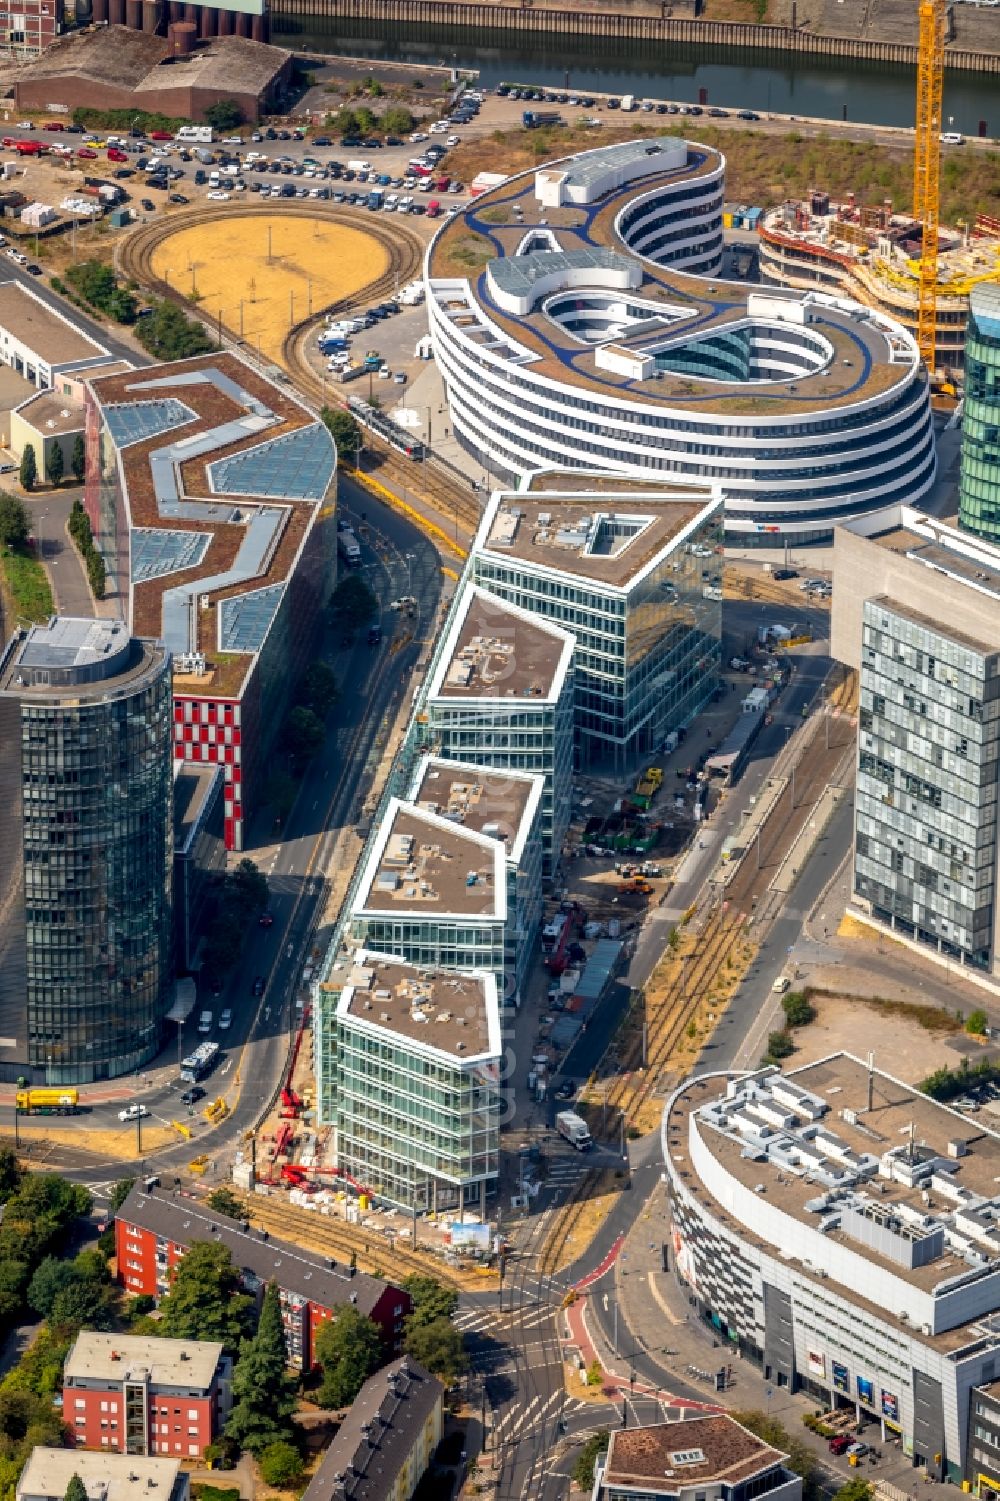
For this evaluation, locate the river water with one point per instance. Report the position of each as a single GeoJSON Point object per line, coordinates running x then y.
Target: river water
{"type": "Point", "coordinates": [821, 87]}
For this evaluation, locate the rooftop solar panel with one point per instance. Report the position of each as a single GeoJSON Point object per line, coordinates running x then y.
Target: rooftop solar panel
{"type": "Point", "coordinates": [245, 618]}
{"type": "Point", "coordinates": [156, 553]}
{"type": "Point", "coordinates": [296, 466]}
{"type": "Point", "coordinates": [132, 421]}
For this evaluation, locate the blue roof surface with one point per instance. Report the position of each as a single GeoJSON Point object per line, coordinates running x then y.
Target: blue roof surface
{"type": "Point", "coordinates": [296, 466]}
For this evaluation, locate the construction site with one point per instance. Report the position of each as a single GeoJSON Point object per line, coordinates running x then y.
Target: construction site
{"type": "Point", "coordinates": [873, 252]}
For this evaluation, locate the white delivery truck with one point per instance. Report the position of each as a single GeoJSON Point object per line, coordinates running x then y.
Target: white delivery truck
{"type": "Point", "coordinates": [628, 103]}
{"type": "Point", "coordinates": [575, 1130]}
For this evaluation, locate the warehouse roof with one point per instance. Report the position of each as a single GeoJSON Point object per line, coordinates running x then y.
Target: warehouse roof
{"type": "Point", "coordinates": [112, 55]}
{"type": "Point", "coordinates": [54, 339]}
{"type": "Point", "coordinates": [235, 64]}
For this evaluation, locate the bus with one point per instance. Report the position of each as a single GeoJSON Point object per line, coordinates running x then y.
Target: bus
{"type": "Point", "coordinates": [197, 1065]}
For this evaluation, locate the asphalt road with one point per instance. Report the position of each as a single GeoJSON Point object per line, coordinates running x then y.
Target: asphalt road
{"type": "Point", "coordinates": [395, 554]}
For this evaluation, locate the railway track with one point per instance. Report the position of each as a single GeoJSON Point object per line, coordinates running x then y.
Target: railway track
{"type": "Point", "coordinates": [374, 1253]}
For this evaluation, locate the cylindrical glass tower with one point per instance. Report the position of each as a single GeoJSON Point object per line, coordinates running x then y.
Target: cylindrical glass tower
{"type": "Point", "coordinates": [979, 487]}
{"type": "Point", "coordinates": [89, 711]}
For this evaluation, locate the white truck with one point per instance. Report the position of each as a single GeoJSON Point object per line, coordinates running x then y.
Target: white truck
{"type": "Point", "coordinates": [628, 103]}
{"type": "Point", "coordinates": [575, 1130]}
{"type": "Point", "coordinates": [203, 134]}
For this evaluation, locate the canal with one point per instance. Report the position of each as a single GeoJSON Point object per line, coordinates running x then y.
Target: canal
{"type": "Point", "coordinates": [821, 87]}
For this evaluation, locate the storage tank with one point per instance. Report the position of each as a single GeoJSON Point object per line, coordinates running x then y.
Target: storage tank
{"type": "Point", "coordinates": [150, 15]}
{"type": "Point", "coordinates": [100, 12]}
{"type": "Point", "coordinates": [133, 15]}
{"type": "Point", "coordinates": [207, 23]}
{"type": "Point", "coordinates": [116, 12]}
{"type": "Point", "coordinates": [182, 38]}
{"type": "Point", "coordinates": [225, 23]}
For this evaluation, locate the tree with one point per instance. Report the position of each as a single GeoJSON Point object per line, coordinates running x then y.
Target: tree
{"type": "Point", "coordinates": [11, 1172]}
{"type": "Point", "coordinates": [855, 1490]}
{"type": "Point", "coordinates": [224, 1201]}
{"type": "Point", "coordinates": [78, 458]}
{"type": "Point", "coordinates": [169, 334]}
{"type": "Point", "coordinates": [55, 465]}
{"type": "Point", "coordinates": [14, 523]}
{"type": "Point", "coordinates": [119, 1194]}
{"type": "Point", "coordinates": [82, 1303]}
{"type": "Point", "coordinates": [800, 1458]}
{"type": "Point", "coordinates": [205, 1300]}
{"type": "Point", "coordinates": [353, 602]}
{"type": "Point", "coordinates": [76, 1490]}
{"type": "Point", "coordinates": [281, 1465]}
{"type": "Point", "coordinates": [225, 114]}
{"type": "Point", "coordinates": [438, 1346]}
{"type": "Point", "coordinates": [29, 467]}
{"type": "Point", "coordinates": [431, 1300]}
{"type": "Point", "coordinates": [977, 1023]}
{"type": "Point", "coordinates": [779, 1045]}
{"type": "Point", "coordinates": [247, 886]}
{"type": "Point", "coordinates": [583, 1470]}
{"type": "Point", "coordinates": [344, 430]}
{"type": "Point", "coordinates": [304, 733]}
{"type": "Point", "coordinates": [349, 1349]}
{"type": "Point", "coordinates": [318, 689]}
{"type": "Point", "coordinates": [798, 1011]}
{"type": "Point", "coordinates": [51, 1276]}
{"type": "Point", "coordinates": [397, 120]}
{"type": "Point", "coordinates": [263, 1391]}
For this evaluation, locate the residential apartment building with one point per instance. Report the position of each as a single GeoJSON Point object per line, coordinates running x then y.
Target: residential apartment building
{"type": "Point", "coordinates": [138, 1394]}
{"type": "Point", "coordinates": [106, 1476]}
{"type": "Point", "coordinates": [86, 798]}
{"type": "Point", "coordinates": [697, 1459]}
{"type": "Point", "coordinates": [413, 1072]}
{"type": "Point", "coordinates": [979, 485]}
{"type": "Point", "coordinates": [838, 1229]}
{"type": "Point", "coordinates": [432, 892]}
{"type": "Point", "coordinates": [154, 1228]}
{"type": "Point", "coordinates": [634, 572]}
{"type": "Point", "coordinates": [917, 613]}
{"type": "Point", "coordinates": [387, 1440]}
{"type": "Point", "coordinates": [500, 694]}
{"type": "Point", "coordinates": [211, 494]}
{"type": "Point", "coordinates": [506, 805]}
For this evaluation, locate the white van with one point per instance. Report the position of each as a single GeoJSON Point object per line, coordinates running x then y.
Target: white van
{"type": "Point", "coordinates": [358, 165]}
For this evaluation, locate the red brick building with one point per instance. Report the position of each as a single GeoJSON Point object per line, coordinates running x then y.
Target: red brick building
{"type": "Point", "coordinates": [142, 1395]}
{"type": "Point", "coordinates": [27, 27]}
{"type": "Point", "coordinates": [154, 1228]}
{"type": "Point", "coordinates": [211, 496]}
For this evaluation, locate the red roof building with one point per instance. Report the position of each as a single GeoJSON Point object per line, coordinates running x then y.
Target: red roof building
{"type": "Point", "coordinates": [154, 1228]}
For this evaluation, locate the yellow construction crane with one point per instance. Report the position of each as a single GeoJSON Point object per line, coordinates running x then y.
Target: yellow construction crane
{"type": "Point", "coordinates": [927, 168]}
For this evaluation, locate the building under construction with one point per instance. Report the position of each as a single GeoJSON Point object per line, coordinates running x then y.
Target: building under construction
{"type": "Point", "coordinates": [873, 253]}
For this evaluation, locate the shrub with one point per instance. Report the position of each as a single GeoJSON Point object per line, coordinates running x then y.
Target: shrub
{"type": "Point", "coordinates": [798, 1011]}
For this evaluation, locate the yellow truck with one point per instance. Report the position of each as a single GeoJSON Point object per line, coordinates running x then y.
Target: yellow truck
{"type": "Point", "coordinates": [48, 1101]}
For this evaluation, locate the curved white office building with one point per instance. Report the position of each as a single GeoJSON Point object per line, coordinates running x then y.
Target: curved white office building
{"type": "Point", "coordinates": [577, 320]}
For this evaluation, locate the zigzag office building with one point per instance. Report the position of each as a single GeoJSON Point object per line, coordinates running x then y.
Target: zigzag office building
{"type": "Point", "coordinates": [578, 320]}
{"type": "Point", "coordinates": [841, 1231]}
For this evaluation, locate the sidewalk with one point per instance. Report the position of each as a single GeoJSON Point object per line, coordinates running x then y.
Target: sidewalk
{"type": "Point", "coordinates": [652, 1300]}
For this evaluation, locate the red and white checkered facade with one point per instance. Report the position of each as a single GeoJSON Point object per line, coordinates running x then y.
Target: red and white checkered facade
{"type": "Point", "coordinates": [209, 731]}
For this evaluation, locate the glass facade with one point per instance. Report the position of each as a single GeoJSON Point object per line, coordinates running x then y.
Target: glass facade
{"type": "Point", "coordinates": [979, 487]}
{"type": "Point", "coordinates": [413, 1125]}
{"type": "Point", "coordinates": [93, 772]}
{"type": "Point", "coordinates": [647, 657]}
{"type": "Point", "coordinates": [926, 806]}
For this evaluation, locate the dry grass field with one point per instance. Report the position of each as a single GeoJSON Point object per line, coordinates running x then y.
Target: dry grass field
{"type": "Point", "coordinates": [262, 273]}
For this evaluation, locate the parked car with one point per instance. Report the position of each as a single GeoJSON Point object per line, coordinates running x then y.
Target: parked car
{"type": "Point", "coordinates": [193, 1095]}
{"type": "Point", "coordinates": [133, 1113]}
{"type": "Point", "coordinates": [840, 1443]}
